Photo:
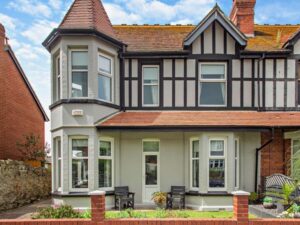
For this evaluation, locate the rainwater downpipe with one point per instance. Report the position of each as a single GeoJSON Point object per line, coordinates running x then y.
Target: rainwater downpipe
{"type": "Point", "coordinates": [256, 155]}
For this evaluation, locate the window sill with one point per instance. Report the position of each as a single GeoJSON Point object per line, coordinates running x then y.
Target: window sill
{"type": "Point", "coordinates": [77, 194]}
{"type": "Point", "coordinates": [210, 193]}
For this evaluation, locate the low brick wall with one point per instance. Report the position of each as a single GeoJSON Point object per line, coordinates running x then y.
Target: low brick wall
{"type": "Point", "coordinates": [240, 216]}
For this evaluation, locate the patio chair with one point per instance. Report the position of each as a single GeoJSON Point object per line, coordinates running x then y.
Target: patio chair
{"type": "Point", "coordinates": [123, 198]}
{"type": "Point", "coordinates": [177, 194]}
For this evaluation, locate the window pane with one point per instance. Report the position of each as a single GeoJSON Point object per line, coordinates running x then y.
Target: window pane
{"type": "Point", "coordinates": [216, 173]}
{"type": "Point", "coordinates": [80, 148]}
{"type": "Point", "coordinates": [104, 64]}
{"type": "Point", "coordinates": [151, 169]}
{"type": "Point", "coordinates": [104, 85]}
{"type": "Point", "coordinates": [151, 95]}
{"type": "Point", "coordinates": [59, 173]}
{"type": "Point", "coordinates": [59, 148]}
{"type": "Point", "coordinates": [151, 146]}
{"type": "Point", "coordinates": [58, 87]}
{"type": "Point", "coordinates": [195, 172]}
{"type": "Point", "coordinates": [79, 84]}
{"type": "Point", "coordinates": [105, 148]}
{"type": "Point", "coordinates": [296, 160]}
{"type": "Point", "coordinates": [79, 173]}
{"type": "Point", "coordinates": [195, 149]}
{"type": "Point", "coordinates": [79, 60]}
{"type": "Point", "coordinates": [105, 173]}
{"type": "Point", "coordinates": [212, 71]}
{"type": "Point", "coordinates": [217, 148]}
{"type": "Point", "coordinates": [58, 66]}
{"type": "Point", "coordinates": [150, 75]}
{"type": "Point", "coordinates": [212, 93]}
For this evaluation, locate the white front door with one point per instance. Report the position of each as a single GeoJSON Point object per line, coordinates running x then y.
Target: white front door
{"type": "Point", "coordinates": [150, 169]}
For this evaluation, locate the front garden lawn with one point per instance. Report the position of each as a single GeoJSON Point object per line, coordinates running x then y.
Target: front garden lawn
{"type": "Point", "coordinates": [168, 214]}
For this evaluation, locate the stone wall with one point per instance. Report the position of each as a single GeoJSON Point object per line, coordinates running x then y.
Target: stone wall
{"type": "Point", "coordinates": [21, 184]}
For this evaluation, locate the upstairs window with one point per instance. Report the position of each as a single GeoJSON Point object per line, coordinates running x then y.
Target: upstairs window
{"type": "Point", "coordinates": [58, 78]}
{"type": "Point", "coordinates": [79, 70]}
{"type": "Point", "coordinates": [212, 84]}
{"type": "Point", "coordinates": [105, 77]}
{"type": "Point", "coordinates": [150, 85]}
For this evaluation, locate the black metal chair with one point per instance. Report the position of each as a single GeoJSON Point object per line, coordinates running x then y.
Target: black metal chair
{"type": "Point", "coordinates": [177, 194]}
{"type": "Point", "coordinates": [123, 198]}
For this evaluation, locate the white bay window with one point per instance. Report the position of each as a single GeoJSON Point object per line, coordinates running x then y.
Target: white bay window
{"type": "Point", "coordinates": [151, 85]}
{"type": "Point", "coordinates": [79, 73]}
{"type": "Point", "coordinates": [106, 163]}
{"type": "Point", "coordinates": [58, 158]}
{"type": "Point", "coordinates": [105, 78]}
{"type": "Point", "coordinates": [58, 78]}
{"type": "Point", "coordinates": [194, 164]}
{"type": "Point", "coordinates": [212, 84]}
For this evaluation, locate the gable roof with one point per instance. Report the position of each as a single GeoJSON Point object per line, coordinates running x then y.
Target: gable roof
{"type": "Point", "coordinates": [15, 60]}
{"type": "Point", "coordinates": [216, 14]}
{"type": "Point", "coordinates": [201, 119]}
{"type": "Point", "coordinates": [292, 39]}
{"type": "Point", "coordinates": [166, 38]}
{"type": "Point", "coordinates": [88, 14]}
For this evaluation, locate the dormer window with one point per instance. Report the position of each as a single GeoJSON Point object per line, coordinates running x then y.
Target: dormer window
{"type": "Point", "coordinates": [79, 70]}
{"type": "Point", "coordinates": [212, 84]}
{"type": "Point", "coordinates": [105, 77]}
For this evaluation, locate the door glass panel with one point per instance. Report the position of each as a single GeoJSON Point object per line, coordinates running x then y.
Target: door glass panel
{"type": "Point", "coordinates": [151, 169]}
{"type": "Point", "coordinates": [151, 146]}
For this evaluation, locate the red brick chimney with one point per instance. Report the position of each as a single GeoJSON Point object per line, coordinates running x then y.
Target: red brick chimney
{"type": "Point", "coordinates": [242, 15]}
{"type": "Point", "coordinates": [2, 36]}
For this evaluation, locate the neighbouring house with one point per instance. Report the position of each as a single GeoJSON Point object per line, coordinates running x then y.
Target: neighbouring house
{"type": "Point", "coordinates": [213, 107]}
{"type": "Point", "coordinates": [21, 113]}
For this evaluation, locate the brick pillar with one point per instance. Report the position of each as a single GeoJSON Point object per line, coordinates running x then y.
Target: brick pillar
{"type": "Point", "coordinates": [241, 207]}
{"type": "Point", "coordinates": [98, 207]}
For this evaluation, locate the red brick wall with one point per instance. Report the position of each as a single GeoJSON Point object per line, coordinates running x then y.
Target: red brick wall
{"type": "Point", "coordinates": [19, 113]}
{"type": "Point", "coordinates": [275, 157]}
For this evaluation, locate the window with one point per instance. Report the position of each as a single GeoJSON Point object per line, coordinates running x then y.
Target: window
{"type": "Point", "coordinates": [105, 78]}
{"type": "Point", "coordinates": [79, 163]}
{"type": "Point", "coordinates": [79, 68]}
{"type": "Point", "coordinates": [105, 163]}
{"type": "Point", "coordinates": [58, 154]}
{"type": "Point", "coordinates": [295, 164]}
{"type": "Point", "coordinates": [58, 78]}
{"type": "Point", "coordinates": [298, 77]}
{"type": "Point", "coordinates": [150, 85]}
{"type": "Point", "coordinates": [212, 85]}
{"type": "Point", "coordinates": [236, 163]}
{"type": "Point", "coordinates": [217, 164]}
{"type": "Point", "coordinates": [151, 162]}
{"type": "Point", "coordinates": [194, 168]}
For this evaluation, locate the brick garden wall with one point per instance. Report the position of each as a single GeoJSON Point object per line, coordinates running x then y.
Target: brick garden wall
{"type": "Point", "coordinates": [19, 113]}
{"type": "Point", "coordinates": [98, 210]}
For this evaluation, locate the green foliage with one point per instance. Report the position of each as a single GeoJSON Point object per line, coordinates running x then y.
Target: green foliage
{"type": "Point", "coordinates": [294, 209]}
{"type": "Point", "coordinates": [287, 190]}
{"type": "Point", "coordinates": [86, 214]}
{"type": "Point", "coordinates": [63, 211]}
{"type": "Point", "coordinates": [268, 200]}
{"type": "Point", "coordinates": [159, 198]}
{"type": "Point", "coordinates": [253, 198]}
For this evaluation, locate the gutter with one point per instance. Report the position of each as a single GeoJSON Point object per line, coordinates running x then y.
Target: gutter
{"type": "Point", "coordinates": [256, 156]}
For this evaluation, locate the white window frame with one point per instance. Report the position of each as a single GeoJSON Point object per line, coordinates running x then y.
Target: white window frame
{"type": "Point", "coordinates": [75, 70]}
{"type": "Point", "coordinates": [217, 157]}
{"type": "Point", "coordinates": [237, 159]}
{"type": "Point", "coordinates": [57, 158]}
{"type": "Point", "coordinates": [58, 77]}
{"type": "Point", "coordinates": [112, 142]}
{"type": "Point", "coordinates": [71, 159]}
{"type": "Point", "coordinates": [201, 80]}
{"type": "Point", "coordinates": [109, 75]}
{"type": "Point", "coordinates": [158, 85]}
{"type": "Point", "coordinates": [191, 164]}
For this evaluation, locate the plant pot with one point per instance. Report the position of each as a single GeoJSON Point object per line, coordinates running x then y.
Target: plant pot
{"type": "Point", "coordinates": [297, 215]}
{"type": "Point", "coordinates": [268, 205]}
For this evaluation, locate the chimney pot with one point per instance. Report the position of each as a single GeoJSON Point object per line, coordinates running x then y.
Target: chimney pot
{"type": "Point", "coordinates": [242, 15]}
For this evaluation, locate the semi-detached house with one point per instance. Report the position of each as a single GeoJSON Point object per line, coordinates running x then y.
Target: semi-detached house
{"type": "Point", "coordinates": [213, 107]}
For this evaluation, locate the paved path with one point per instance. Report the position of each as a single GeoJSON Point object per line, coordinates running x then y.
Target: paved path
{"type": "Point", "coordinates": [24, 212]}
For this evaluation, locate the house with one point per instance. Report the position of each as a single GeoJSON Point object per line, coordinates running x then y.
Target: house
{"type": "Point", "coordinates": [213, 107]}
{"type": "Point", "coordinates": [21, 113]}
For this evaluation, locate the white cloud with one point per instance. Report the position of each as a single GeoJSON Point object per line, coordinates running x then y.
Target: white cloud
{"type": "Point", "coordinates": [55, 4]}
{"type": "Point", "coordinates": [8, 22]}
{"type": "Point", "coordinates": [157, 11]}
{"type": "Point", "coordinates": [31, 7]}
{"type": "Point", "coordinates": [39, 31]}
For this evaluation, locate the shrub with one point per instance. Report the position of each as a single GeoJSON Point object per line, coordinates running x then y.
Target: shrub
{"type": "Point", "coordinates": [159, 198]}
{"type": "Point", "coordinates": [63, 211]}
{"type": "Point", "coordinates": [253, 198]}
{"type": "Point", "coordinates": [268, 200]}
{"type": "Point", "coordinates": [287, 190]}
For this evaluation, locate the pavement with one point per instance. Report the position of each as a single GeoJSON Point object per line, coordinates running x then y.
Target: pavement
{"type": "Point", "coordinates": [25, 212]}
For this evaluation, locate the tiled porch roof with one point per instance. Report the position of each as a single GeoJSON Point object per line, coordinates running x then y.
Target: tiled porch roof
{"type": "Point", "coordinates": [139, 119]}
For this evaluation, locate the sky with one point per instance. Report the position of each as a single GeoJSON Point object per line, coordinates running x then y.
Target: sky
{"type": "Point", "coordinates": [28, 23]}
